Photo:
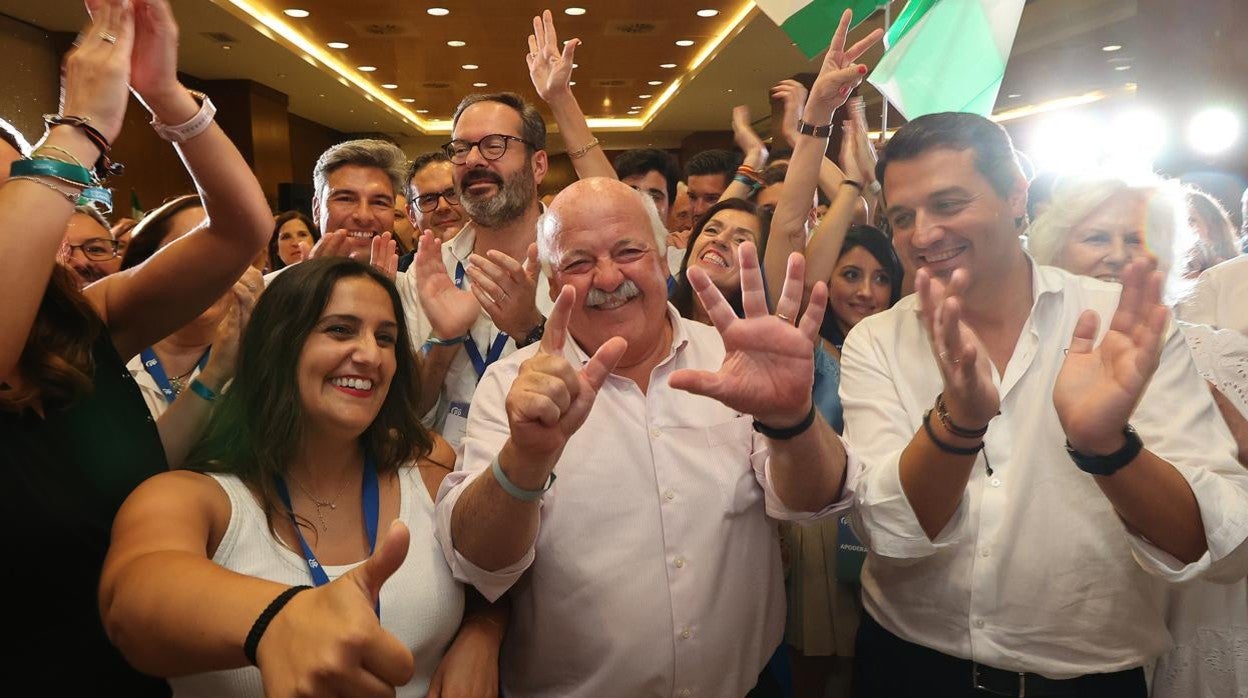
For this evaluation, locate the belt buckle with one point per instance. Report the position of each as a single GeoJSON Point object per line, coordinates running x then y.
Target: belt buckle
{"type": "Point", "coordinates": [1022, 683]}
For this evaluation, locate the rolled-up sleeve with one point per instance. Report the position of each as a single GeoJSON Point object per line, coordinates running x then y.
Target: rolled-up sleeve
{"type": "Point", "coordinates": [777, 510]}
{"type": "Point", "coordinates": [1178, 421]}
{"type": "Point", "coordinates": [487, 432]}
{"type": "Point", "coordinates": [879, 427]}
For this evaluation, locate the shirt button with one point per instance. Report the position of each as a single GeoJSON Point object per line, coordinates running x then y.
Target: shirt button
{"type": "Point", "coordinates": [995, 482]}
{"type": "Point", "coordinates": [979, 622]}
{"type": "Point", "coordinates": [669, 495]}
{"type": "Point", "coordinates": [680, 562]}
{"type": "Point", "coordinates": [655, 432]}
{"type": "Point", "coordinates": [685, 634]}
{"type": "Point", "coordinates": [983, 552]}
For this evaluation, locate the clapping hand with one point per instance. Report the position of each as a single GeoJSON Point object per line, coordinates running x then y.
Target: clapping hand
{"type": "Point", "coordinates": [768, 368]}
{"type": "Point", "coordinates": [450, 309]}
{"type": "Point", "coordinates": [507, 289]}
{"type": "Point", "coordinates": [965, 366]}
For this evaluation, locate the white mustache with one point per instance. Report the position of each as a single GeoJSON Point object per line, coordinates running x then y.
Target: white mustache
{"type": "Point", "coordinates": [625, 291]}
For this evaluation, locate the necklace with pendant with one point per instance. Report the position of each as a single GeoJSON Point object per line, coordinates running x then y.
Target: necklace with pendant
{"type": "Point", "coordinates": [178, 383]}
{"type": "Point", "coordinates": [321, 505]}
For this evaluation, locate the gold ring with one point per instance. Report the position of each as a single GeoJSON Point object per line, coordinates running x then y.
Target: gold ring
{"type": "Point", "coordinates": [108, 37]}
{"type": "Point", "coordinates": [786, 318]}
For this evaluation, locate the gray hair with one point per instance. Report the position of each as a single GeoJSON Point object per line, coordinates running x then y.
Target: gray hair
{"type": "Point", "coordinates": [1166, 231]}
{"type": "Point", "coordinates": [549, 225]}
{"type": "Point", "coordinates": [532, 125]}
{"type": "Point", "coordinates": [368, 152]}
{"type": "Point", "coordinates": [94, 214]}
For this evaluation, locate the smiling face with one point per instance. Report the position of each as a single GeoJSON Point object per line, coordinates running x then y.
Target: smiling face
{"type": "Point", "coordinates": [289, 236]}
{"type": "Point", "coordinates": [447, 218]}
{"type": "Point", "coordinates": [496, 192]}
{"type": "Point", "coordinates": [360, 200]}
{"type": "Point", "coordinates": [860, 286]}
{"type": "Point", "coordinates": [1104, 243]}
{"type": "Point", "coordinates": [945, 215]}
{"type": "Point", "coordinates": [348, 360]}
{"type": "Point", "coordinates": [715, 247]}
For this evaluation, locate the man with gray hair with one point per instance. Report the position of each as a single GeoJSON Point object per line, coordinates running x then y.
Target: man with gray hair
{"type": "Point", "coordinates": [652, 565]}
{"type": "Point", "coordinates": [478, 297]}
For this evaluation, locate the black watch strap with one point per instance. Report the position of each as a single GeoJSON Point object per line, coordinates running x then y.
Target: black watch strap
{"type": "Point", "coordinates": [811, 130]}
{"type": "Point", "coordinates": [1110, 463]}
{"type": "Point", "coordinates": [534, 335]}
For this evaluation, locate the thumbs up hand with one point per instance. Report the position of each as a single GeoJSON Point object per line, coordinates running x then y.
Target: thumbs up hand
{"type": "Point", "coordinates": [329, 641]}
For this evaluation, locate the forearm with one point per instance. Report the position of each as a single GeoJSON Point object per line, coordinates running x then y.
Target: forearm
{"type": "Point", "coordinates": [489, 527]}
{"type": "Point", "coordinates": [824, 247]}
{"type": "Point", "coordinates": [434, 365]}
{"type": "Point", "coordinates": [808, 472]}
{"type": "Point", "coordinates": [149, 604]}
{"type": "Point", "coordinates": [576, 135]}
{"type": "Point", "coordinates": [788, 225]}
{"type": "Point", "coordinates": [1155, 501]}
{"type": "Point", "coordinates": [183, 423]}
{"type": "Point", "coordinates": [32, 224]}
{"type": "Point", "coordinates": [933, 480]}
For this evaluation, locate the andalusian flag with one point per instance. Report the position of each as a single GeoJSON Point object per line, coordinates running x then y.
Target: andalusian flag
{"type": "Point", "coordinates": [811, 23]}
{"type": "Point", "coordinates": [947, 55]}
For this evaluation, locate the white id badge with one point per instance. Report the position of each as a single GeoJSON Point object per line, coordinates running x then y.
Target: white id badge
{"type": "Point", "coordinates": [456, 424]}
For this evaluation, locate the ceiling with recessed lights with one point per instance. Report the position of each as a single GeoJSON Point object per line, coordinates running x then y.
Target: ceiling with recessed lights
{"type": "Point", "coordinates": [401, 67]}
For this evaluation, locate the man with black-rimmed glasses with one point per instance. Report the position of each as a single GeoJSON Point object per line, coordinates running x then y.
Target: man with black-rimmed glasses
{"type": "Point", "coordinates": [498, 157]}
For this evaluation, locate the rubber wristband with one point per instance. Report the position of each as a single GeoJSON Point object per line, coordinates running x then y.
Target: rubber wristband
{"type": "Point", "coordinates": [948, 448]}
{"type": "Point", "coordinates": [516, 491]}
{"type": "Point", "coordinates": [202, 390]}
{"type": "Point", "coordinates": [788, 432]}
{"type": "Point", "coordinates": [446, 342]}
{"type": "Point", "coordinates": [266, 616]}
{"type": "Point", "coordinates": [48, 167]}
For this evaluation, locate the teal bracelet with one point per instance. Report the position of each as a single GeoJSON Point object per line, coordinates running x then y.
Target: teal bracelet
{"type": "Point", "coordinates": [47, 167]}
{"type": "Point", "coordinates": [202, 390]}
{"type": "Point", "coordinates": [515, 491]}
{"type": "Point", "coordinates": [98, 198]}
{"type": "Point", "coordinates": [446, 342]}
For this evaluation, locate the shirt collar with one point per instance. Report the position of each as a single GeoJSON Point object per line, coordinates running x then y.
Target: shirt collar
{"type": "Point", "coordinates": [461, 245]}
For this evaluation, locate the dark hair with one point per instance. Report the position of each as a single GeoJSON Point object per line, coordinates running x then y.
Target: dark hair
{"type": "Point", "coordinates": [147, 234]}
{"type": "Point", "coordinates": [56, 365]}
{"type": "Point", "coordinates": [275, 261]}
{"type": "Point", "coordinates": [640, 161]}
{"type": "Point", "coordinates": [258, 423]}
{"type": "Point", "coordinates": [532, 125]}
{"type": "Point", "coordinates": [710, 162]}
{"type": "Point", "coordinates": [782, 153]}
{"type": "Point", "coordinates": [994, 151]}
{"type": "Point", "coordinates": [775, 174]}
{"type": "Point", "coordinates": [682, 296]}
{"type": "Point", "coordinates": [873, 240]}
{"type": "Point", "coordinates": [419, 163]}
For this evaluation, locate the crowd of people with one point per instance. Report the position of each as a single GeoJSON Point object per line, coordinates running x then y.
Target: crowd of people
{"type": "Point", "coordinates": [773, 424]}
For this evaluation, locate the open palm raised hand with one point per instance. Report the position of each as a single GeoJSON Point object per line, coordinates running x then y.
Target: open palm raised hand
{"type": "Point", "coordinates": [450, 309]}
{"type": "Point", "coordinates": [768, 368]}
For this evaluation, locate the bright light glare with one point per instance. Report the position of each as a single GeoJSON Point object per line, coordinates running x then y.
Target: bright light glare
{"type": "Point", "coordinates": [1213, 131]}
{"type": "Point", "coordinates": [1134, 139]}
{"type": "Point", "coordinates": [1065, 143]}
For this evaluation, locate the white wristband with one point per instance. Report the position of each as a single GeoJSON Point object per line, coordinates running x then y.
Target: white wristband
{"type": "Point", "coordinates": [193, 127]}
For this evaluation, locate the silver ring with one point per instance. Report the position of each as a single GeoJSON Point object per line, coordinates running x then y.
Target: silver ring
{"type": "Point", "coordinates": [944, 356]}
{"type": "Point", "coordinates": [786, 318]}
{"type": "Point", "coordinates": [108, 37]}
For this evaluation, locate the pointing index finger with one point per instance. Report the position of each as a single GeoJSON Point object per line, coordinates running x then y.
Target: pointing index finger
{"type": "Point", "coordinates": [557, 324]}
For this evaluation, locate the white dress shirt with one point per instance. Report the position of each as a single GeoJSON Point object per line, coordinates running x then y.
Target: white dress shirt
{"type": "Point", "coordinates": [655, 571]}
{"type": "Point", "coordinates": [1034, 571]}
{"type": "Point", "coordinates": [449, 416]}
{"type": "Point", "coordinates": [1220, 298]}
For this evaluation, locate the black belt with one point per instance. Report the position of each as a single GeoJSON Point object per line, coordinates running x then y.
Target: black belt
{"type": "Point", "coordinates": [999, 682]}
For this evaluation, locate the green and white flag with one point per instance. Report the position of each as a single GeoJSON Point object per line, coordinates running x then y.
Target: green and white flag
{"type": "Point", "coordinates": [947, 55]}
{"type": "Point", "coordinates": [811, 23]}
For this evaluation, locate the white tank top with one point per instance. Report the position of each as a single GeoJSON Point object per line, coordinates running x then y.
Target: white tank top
{"type": "Point", "coordinates": [421, 604]}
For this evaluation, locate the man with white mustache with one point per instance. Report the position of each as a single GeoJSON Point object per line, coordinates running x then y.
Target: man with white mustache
{"type": "Point", "coordinates": [651, 567]}
{"type": "Point", "coordinates": [477, 297]}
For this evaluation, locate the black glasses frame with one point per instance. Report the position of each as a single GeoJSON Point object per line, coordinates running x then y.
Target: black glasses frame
{"type": "Point", "coordinates": [429, 202]}
{"type": "Point", "coordinates": [116, 247]}
{"type": "Point", "coordinates": [458, 149]}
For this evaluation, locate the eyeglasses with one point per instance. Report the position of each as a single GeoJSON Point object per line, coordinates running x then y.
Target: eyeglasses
{"type": "Point", "coordinates": [492, 147]}
{"type": "Point", "coordinates": [429, 202]}
{"type": "Point", "coordinates": [97, 249]}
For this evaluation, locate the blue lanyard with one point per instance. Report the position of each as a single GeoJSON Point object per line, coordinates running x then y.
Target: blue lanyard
{"type": "Point", "coordinates": [152, 364]}
{"type": "Point", "coordinates": [370, 492]}
{"type": "Point", "coordinates": [480, 363]}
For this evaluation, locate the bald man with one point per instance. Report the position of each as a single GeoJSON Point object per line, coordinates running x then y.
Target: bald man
{"type": "Point", "coordinates": [652, 565]}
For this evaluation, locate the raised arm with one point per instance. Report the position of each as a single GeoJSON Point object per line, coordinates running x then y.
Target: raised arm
{"type": "Point", "coordinates": [34, 213]}
{"type": "Point", "coordinates": [752, 146]}
{"type": "Point", "coordinates": [145, 304]}
{"type": "Point", "coordinates": [550, 69]}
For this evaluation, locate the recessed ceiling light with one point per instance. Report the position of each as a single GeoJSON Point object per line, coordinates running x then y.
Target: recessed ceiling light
{"type": "Point", "coordinates": [576, 65]}
{"type": "Point", "coordinates": [470, 66]}
{"type": "Point", "coordinates": [684, 42]}
{"type": "Point", "coordinates": [438, 11]}
{"type": "Point", "coordinates": [366, 68]}
{"type": "Point", "coordinates": [1111, 47]}
{"type": "Point", "coordinates": [225, 47]}
{"type": "Point", "coordinates": [390, 86]}
{"type": "Point", "coordinates": [574, 11]}
{"type": "Point", "coordinates": [655, 82]}
{"type": "Point", "coordinates": [667, 65]}
{"type": "Point", "coordinates": [728, 90]}
{"type": "Point", "coordinates": [456, 43]}
{"type": "Point", "coordinates": [338, 44]}
{"type": "Point", "coordinates": [707, 13]}
{"type": "Point", "coordinates": [321, 95]}
{"type": "Point", "coordinates": [407, 100]}
{"type": "Point", "coordinates": [422, 111]}
{"type": "Point", "coordinates": [1122, 67]}
{"type": "Point", "coordinates": [1013, 95]}
{"type": "Point", "coordinates": [296, 13]}
{"type": "Point", "coordinates": [480, 84]}
{"type": "Point", "coordinates": [571, 82]}
{"type": "Point", "coordinates": [643, 96]}
{"type": "Point", "coordinates": [634, 108]}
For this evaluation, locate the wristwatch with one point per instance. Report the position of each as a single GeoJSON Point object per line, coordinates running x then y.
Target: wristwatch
{"type": "Point", "coordinates": [534, 335]}
{"type": "Point", "coordinates": [816, 131]}
{"type": "Point", "coordinates": [1113, 462]}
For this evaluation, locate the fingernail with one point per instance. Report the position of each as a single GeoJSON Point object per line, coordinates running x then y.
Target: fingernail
{"type": "Point", "coordinates": [862, 70]}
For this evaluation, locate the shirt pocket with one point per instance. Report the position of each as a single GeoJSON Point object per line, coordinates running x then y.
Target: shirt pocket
{"type": "Point", "coordinates": [731, 445]}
